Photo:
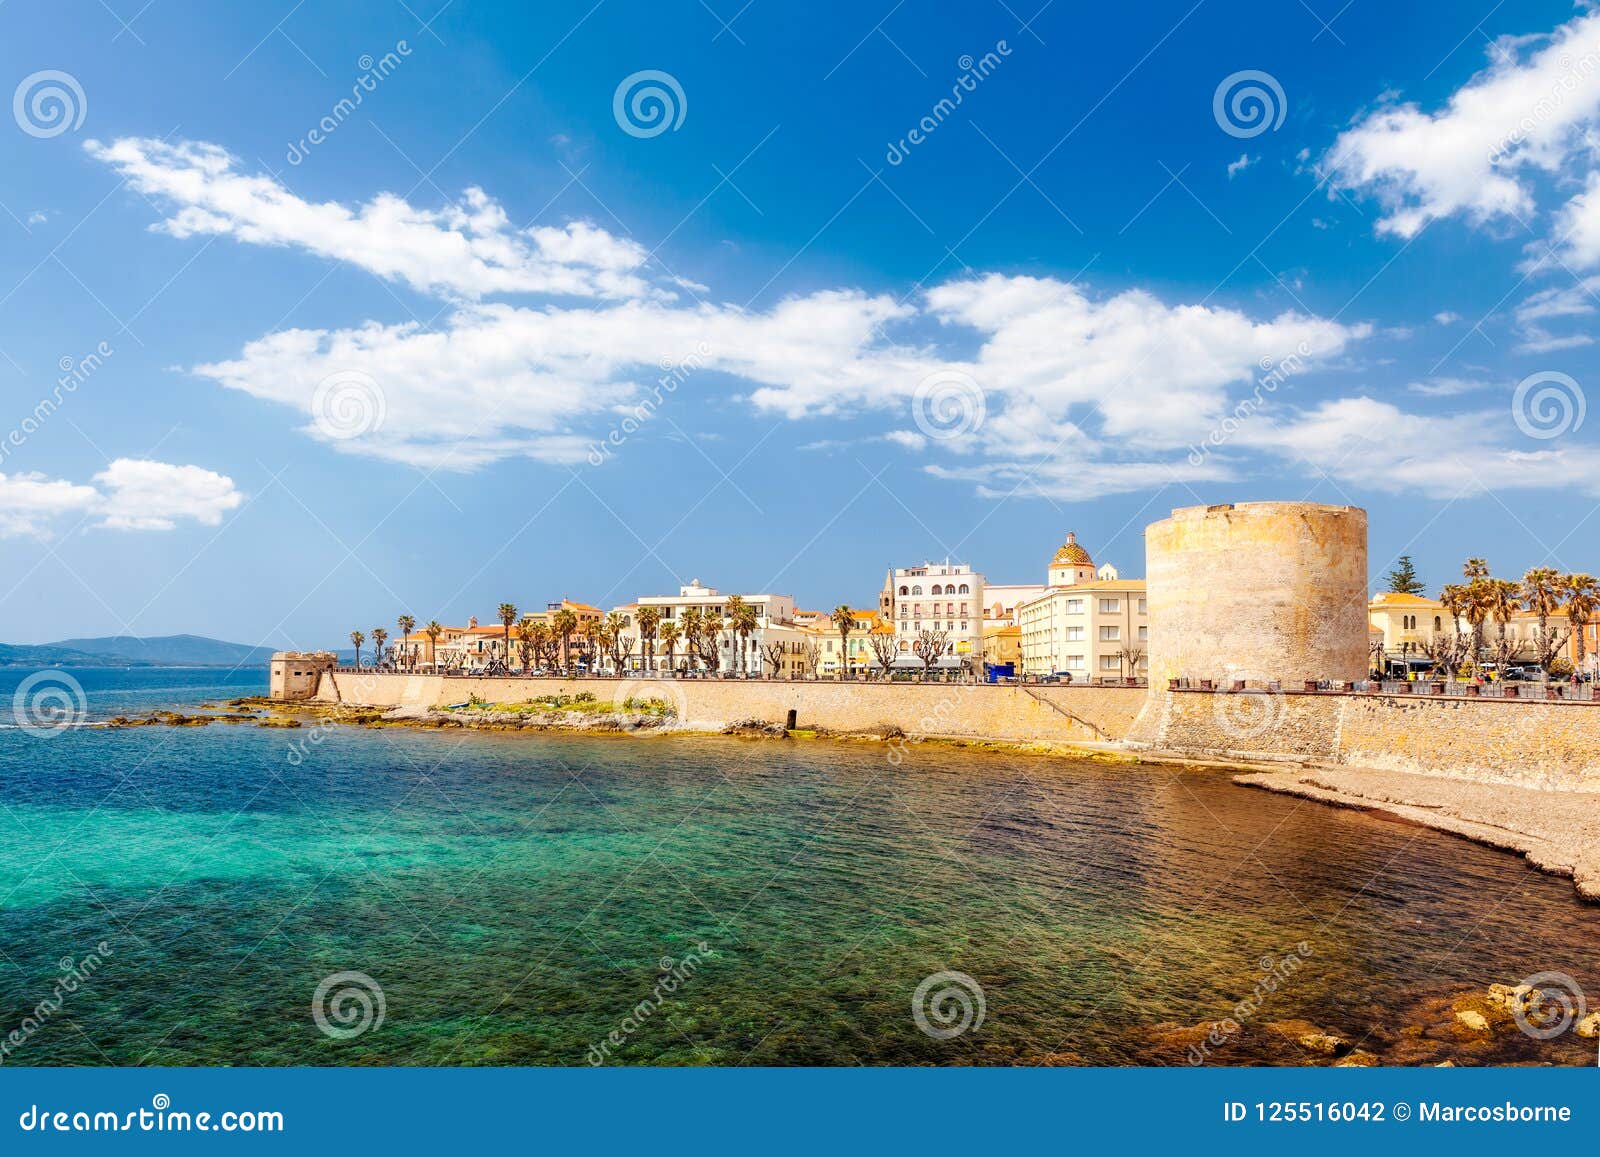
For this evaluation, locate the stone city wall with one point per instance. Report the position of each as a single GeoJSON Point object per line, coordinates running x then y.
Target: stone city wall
{"type": "Point", "coordinates": [1532, 744]}
{"type": "Point", "coordinates": [1003, 712]}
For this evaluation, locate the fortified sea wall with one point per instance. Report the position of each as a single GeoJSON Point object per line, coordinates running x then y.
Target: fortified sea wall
{"type": "Point", "coordinates": [1530, 744]}
{"type": "Point", "coordinates": [1533, 744]}
{"type": "Point", "coordinates": [953, 710]}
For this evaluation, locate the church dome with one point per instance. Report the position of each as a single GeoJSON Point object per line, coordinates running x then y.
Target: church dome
{"type": "Point", "coordinates": [1071, 554]}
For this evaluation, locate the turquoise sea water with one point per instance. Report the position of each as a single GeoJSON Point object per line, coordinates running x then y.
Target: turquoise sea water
{"type": "Point", "coordinates": [517, 899]}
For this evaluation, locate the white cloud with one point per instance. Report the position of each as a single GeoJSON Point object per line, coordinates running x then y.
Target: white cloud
{"type": "Point", "coordinates": [30, 502]}
{"type": "Point", "coordinates": [1447, 387]}
{"type": "Point", "coordinates": [38, 217]}
{"type": "Point", "coordinates": [1362, 442]}
{"type": "Point", "coordinates": [132, 494]}
{"type": "Point", "coordinates": [1244, 162]}
{"type": "Point", "coordinates": [144, 495]}
{"type": "Point", "coordinates": [1446, 317]}
{"type": "Point", "coordinates": [1529, 110]}
{"type": "Point", "coordinates": [467, 249]}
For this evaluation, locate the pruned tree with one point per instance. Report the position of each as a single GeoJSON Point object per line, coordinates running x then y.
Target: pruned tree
{"type": "Point", "coordinates": [929, 646]}
{"type": "Point", "coordinates": [1132, 655]}
{"type": "Point", "coordinates": [812, 654]}
{"type": "Point", "coordinates": [885, 648]}
{"type": "Point", "coordinates": [774, 654]}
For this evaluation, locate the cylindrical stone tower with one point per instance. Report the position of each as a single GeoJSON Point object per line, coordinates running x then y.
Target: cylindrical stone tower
{"type": "Point", "coordinates": [1258, 591]}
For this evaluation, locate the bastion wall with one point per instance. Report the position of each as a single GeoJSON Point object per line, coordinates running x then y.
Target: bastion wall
{"type": "Point", "coordinates": [1534, 744]}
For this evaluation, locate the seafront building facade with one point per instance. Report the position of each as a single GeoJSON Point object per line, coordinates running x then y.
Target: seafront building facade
{"type": "Point", "coordinates": [943, 598]}
{"type": "Point", "coordinates": [1087, 624]}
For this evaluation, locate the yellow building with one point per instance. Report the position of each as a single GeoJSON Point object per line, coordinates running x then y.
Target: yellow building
{"type": "Point", "coordinates": [1408, 622]}
{"type": "Point", "coordinates": [1090, 624]}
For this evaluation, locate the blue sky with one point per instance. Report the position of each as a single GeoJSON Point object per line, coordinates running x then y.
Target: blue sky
{"type": "Point", "coordinates": [401, 367]}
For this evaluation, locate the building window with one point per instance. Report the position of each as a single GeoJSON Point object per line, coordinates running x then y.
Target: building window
{"type": "Point", "coordinates": [1074, 606]}
{"type": "Point", "coordinates": [965, 590]}
{"type": "Point", "coordinates": [1074, 663]}
{"type": "Point", "coordinates": [917, 590]}
{"type": "Point", "coordinates": [1110, 634]}
{"type": "Point", "coordinates": [1074, 634]}
{"type": "Point", "coordinates": [1110, 606]}
{"type": "Point", "coordinates": [1144, 634]}
{"type": "Point", "coordinates": [1110, 662]}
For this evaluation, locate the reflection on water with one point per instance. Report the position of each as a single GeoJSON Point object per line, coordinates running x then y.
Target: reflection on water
{"type": "Point", "coordinates": [520, 900]}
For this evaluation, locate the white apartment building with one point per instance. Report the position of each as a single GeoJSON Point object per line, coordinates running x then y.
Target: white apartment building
{"type": "Point", "coordinates": [945, 597]}
{"type": "Point", "coordinates": [775, 624]}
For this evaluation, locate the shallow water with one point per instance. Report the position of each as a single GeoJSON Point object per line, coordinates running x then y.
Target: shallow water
{"type": "Point", "coordinates": [516, 897]}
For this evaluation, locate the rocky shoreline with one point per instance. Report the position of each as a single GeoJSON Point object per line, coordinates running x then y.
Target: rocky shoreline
{"type": "Point", "coordinates": [1558, 831]}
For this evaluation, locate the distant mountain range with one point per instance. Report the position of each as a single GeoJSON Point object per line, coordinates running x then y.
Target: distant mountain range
{"type": "Point", "coordinates": [129, 651]}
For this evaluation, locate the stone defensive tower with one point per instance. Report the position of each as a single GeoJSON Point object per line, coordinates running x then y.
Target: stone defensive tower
{"type": "Point", "coordinates": [296, 674]}
{"type": "Point", "coordinates": [1258, 591]}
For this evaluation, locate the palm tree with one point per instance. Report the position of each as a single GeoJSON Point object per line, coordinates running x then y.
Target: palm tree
{"type": "Point", "coordinates": [433, 630]}
{"type": "Point", "coordinates": [543, 640]}
{"type": "Point", "coordinates": [1475, 568]}
{"type": "Point", "coordinates": [1582, 594]}
{"type": "Point", "coordinates": [1502, 599]}
{"type": "Point", "coordinates": [608, 635]}
{"type": "Point", "coordinates": [693, 626]}
{"type": "Point", "coordinates": [358, 638]}
{"type": "Point", "coordinates": [1541, 594]}
{"type": "Point", "coordinates": [508, 615]}
{"type": "Point", "coordinates": [649, 618]}
{"type": "Point", "coordinates": [525, 637]}
{"type": "Point", "coordinates": [742, 622]}
{"type": "Point", "coordinates": [844, 619]}
{"type": "Point", "coordinates": [379, 638]}
{"type": "Point", "coordinates": [564, 623]}
{"type": "Point", "coordinates": [668, 633]}
{"type": "Point", "coordinates": [406, 623]}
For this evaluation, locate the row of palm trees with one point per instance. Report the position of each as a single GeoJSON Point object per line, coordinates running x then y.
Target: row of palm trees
{"type": "Point", "coordinates": [549, 643]}
{"type": "Point", "coordinates": [1545, 592]}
